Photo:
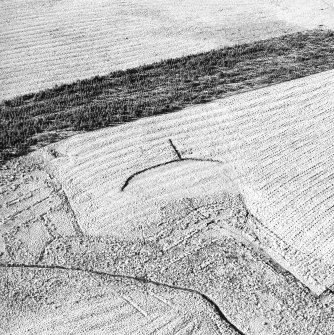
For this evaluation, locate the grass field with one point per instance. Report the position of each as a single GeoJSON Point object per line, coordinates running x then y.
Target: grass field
{"type": "Point", "coordinates": [161, 87]}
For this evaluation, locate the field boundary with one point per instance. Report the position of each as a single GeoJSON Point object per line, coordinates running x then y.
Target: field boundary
{"type": "Point", "coordinates": [163, 87]}
{"type": "Point", "coordinates": [127, 181]}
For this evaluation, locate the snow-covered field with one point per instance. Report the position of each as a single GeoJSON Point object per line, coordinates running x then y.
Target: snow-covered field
{"type": "Point", "coordinates": [48, 42]}
{"type": "Point", "coordinates": [273, 146]}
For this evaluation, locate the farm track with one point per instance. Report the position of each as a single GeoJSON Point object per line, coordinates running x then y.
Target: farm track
{"type": "Point", "coordinates": [203, 296]}
{"type": "Point", "coordinates": [107, 304]}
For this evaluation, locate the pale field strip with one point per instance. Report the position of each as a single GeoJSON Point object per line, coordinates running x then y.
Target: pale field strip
{"type": "Point", "coordinates": [43, 43]}
{"type": "Point", "coordinates": [275, 144]}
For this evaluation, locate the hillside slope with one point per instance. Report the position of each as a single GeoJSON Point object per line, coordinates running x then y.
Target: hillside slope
{"type": "Point", "coordinates": [273, 146]}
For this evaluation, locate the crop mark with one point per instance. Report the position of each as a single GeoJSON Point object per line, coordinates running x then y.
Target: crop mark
{"type": "Point", "coordinates": [135, 306]}
{"type": "Point", "coordinates": [214, 306]}
{"type": "Point", "coordinates": [42, 253]}
{"type": "Point", "coordinates": [217, 325]}
{"type": "Point", "coordinates": [328, 291]}
{"type": "Point", "coordinates": [74, 220]}
{"type": "Point", "coordinates": [189, 327]}
{"type": "Point", "coordinates": [185, 254]}
{"type": "Point", "coordinates": [179, 160]}
{"type": "Point", "coordinates": [162, 326]}
{"type": "Point", "coordinates": [49, 226]}
{"type": "Point", "coordinates": [161, 300]}
{"type": "Point", "coordinates": [175, 149]}
{"type": "Point", "coordinates": [16, 200]}
{"type": "Point", "coordinates": [59, 191]}
{"type": "Point", "coordinates": [328, 4]}
{"type": "Point", "coordinates": [14, 215]}
{"type": "Point", "coordinates": [184, 240]}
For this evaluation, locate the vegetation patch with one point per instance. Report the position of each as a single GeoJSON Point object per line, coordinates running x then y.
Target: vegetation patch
{"type": "Point", "coordinates": [161, 87]}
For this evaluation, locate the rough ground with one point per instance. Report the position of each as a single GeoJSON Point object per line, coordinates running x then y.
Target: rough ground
{"type": "Point", "coordinates": [32, 204]}
{"type": "Point", "coordinates": [204, 282]}
{"type": "Point", "coordinates": [169, 230]}
{"type": "Point", "coordinates": [81, 302]}
{"type": "Point", "coordinates": [48, 42]}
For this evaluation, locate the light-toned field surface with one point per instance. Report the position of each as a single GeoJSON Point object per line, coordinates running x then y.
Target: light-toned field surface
{"type": "Point", "coordinates": [196, 222]}
{"type": "Point", "coordinates": [66, 302]}
{"type": "Point", "coordinates": [34, 211]}
{"type": "Point", "coordinates": [307, 13]}
{"type": "Point", "coordinates": [203, 241]}
{"type": "Point", "coordinates": [46, 42]}
{"type": "Point", "coordinates": [256, 297]}
{"type": "Point", "coordinates": [282, 170]}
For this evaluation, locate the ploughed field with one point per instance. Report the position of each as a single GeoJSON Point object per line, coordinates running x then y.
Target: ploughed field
{"type": "Point", "coordinates": [274, 144]}
{"type": "Point", "coordinates": [47, 42]}
{"type": "Point", "coordinates": [204, 207]}
{"type": "Point", "coordinates": [216, 218]}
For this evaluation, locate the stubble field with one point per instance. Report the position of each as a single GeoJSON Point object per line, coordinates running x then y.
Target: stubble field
{"type": "Point", "coordinates": [45, 42]}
